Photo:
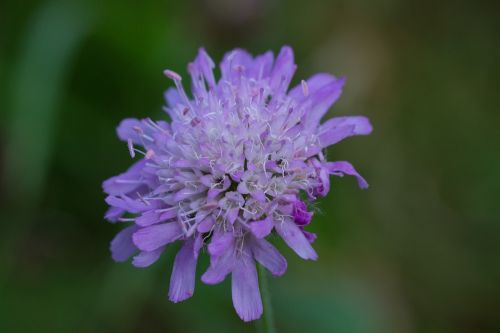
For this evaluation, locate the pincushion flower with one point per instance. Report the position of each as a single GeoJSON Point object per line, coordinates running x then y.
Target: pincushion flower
{"type": "Point", "coordinates": [239, 161]}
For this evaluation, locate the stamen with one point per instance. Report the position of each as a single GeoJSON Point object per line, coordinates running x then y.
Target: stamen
{"type": "Point", "coordinates": [195, 121]}
{"type": "Point", "coordinates": [138, 130]}
{"type": "Point", "coordinates": [240, 246]}
{"type": "Point", "coordinates": [172, 75]}
{"type": "Point", "coordinates": [130, 146]}
{"type": "Point", "coordinates": [153, 198]}
{"type": "Point", "coordinates": [143, 199]}
{"type": "Point", "coordinates": [165, 209]}
{"type": "Point", "coordinates": [305, 88]}
{"type": "Point", "coordinates": [184, 213]}
{"type": "Point", "coordinates": [248, 211]}
{"type": "Point", "coordinates": [177, 80]}
{"type": "Point", "coordinates": [155, 126]}
{"type": "Point", "coordinates": [210, 114]}
{"type": "Point", "coordinates": [133, 150]}
{"type": "Point", "coordinates": [124, 219]}
{"type": "Point", "coordinates": [188, 220]}
{"type": "Point", "coordinates": [239, 69]}
{"type": "Point", "coordinates": [191, 183]}
{"type": "Point", "coordinates": [143, 136]}
{"type": "Point", "coordinates": [128, 181]}
{"type": "Point", "coordinates": [183, 227]}
{"type": "Point", "coordinates": [149, 154]}
{"type": "Point", "coordinates": [191, 230]}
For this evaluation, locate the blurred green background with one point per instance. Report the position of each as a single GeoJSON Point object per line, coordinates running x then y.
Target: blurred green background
{"type": "Point", "coordinates": [417, 252]}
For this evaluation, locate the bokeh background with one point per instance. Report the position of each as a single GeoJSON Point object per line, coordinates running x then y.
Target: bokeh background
{"type": "Point", "coordinates": [417, 252]}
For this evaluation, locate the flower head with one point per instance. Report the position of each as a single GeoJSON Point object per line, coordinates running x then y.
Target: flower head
{"type": "Point", "coordinates": [240, 160]}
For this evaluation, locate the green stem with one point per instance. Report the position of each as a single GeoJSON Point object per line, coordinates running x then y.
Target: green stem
{"type": "Point", "coordinates": [266, 323]}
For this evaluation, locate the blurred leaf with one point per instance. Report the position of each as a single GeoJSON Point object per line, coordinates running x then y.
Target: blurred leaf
{"type": "Point", "coordinates": [54, 35]}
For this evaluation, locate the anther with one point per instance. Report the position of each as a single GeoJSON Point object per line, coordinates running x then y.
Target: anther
{"type": "Point", "coordinates": [195, 121]}
{"type": "Point", "coordinates": [172, 75]}
{"type": "Point", "coordinates": [130, 146]}
{"type": "Point", "coordinates": [149, 154]}
{"type": "Point", "coordinates": [138, 130]}
{"type": "Point", "coordinates": [239, 68]}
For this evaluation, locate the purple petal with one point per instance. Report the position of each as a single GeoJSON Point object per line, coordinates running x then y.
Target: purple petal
{"type": "Point", "coordinates": [207, 180]}
{"type": "Point", "coordinates": [219, 267]}
{"type": "Point", "coordinates": [262, 228]}
{"type": "Point", "coordinates": [362, 125]}
{"type": "Point", "coordinates": [287, 209]}
{"type": "Point", "coordinates": [342, 167]}
{"type": "Point", "coordinates": [311, 237]}
{"type": "Point", "coordinates": [201, 214]}
{"type": "Point", "coordinates": [213, 192]}
{"type": "Point", "coordinates": [129, 129]}
{"type": "Point", "coordinates": [232, 214]}
{"type": "Point", "coordinates": [329, 138]}
{"type": "Point", "coordinates": [172, 97]}
{"type": "Point", "coordinates": [184, 194]}
{"type": "Point", "coordinates": [258, 195]}
{"type": "Point", "coordinates": [113, 214]}
{"type": "Point", "coordinates": [198, 244]}
{"type": "Point", "coordinates": [267, 255]}
{"type": "Point", "coordinates": [234, 60]}
{"type": "Point", "coordinates": [122, 246]}
{"type": "Point", "coordinates": [324, 183]}
{"type": "Point", "coordinates": [149, 218]}
{"type": "Point", "coordinates": [206, 225]}
{"type": "Point", "coordinates": [155, 236]}
{"type": "Point", "coordinates": [125, 182]}
{"type": "Point", "coordinates": [245, 288]}
{"type": "Point", "coordinates": [182, 163]}
{"type": "Point", "coordinates": [242, 188]}
{"type": "Point", "coordinates": [321, 101]}
{"type": "Point", "coordinates": [206, 65]}
{"type": "Point", "coordinates": [182, 280]}
{"type": "Point", "coordinates": [283, 70]}
{"type": "Point", "coordinates": [237, 175]}
{"type": "Point", "coordinates": [295, 239]}
{"type": "Point", "coordinates": [167, 215]}
{"type": "Point", "coordinates": [314, 83]}
{"type": "Point", "coordinates": [300, 214]}
{"type": "Point", "coordinates": [262, 65]}
{"type": "Point", "coordinates": [127, 203]}
{"type": "Point", "coordinates": [145, 259]}
{"type": "Point", "coordinates": [220, 243]}
{"type": "Point", "coordinates": [337, 129]}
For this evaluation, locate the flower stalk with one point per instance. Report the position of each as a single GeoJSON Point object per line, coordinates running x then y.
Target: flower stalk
{"type": "Point", "coordinates": [266, 323]}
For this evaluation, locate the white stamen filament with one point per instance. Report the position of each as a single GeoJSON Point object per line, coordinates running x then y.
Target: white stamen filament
{"type": "Point", "coordinates": [128, 181]}
{"type": "Point", "coordinates": [165, 209]}
{"type": "Point", "coordinates": [124, 219]}
{"type": "Point", "coordinates": [305, 88]}
{"type": "Point", "coordinates": [130, 146]}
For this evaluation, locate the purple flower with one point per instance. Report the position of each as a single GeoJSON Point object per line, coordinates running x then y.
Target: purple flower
{"type": "Point", "coordinates": [237, 163]}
